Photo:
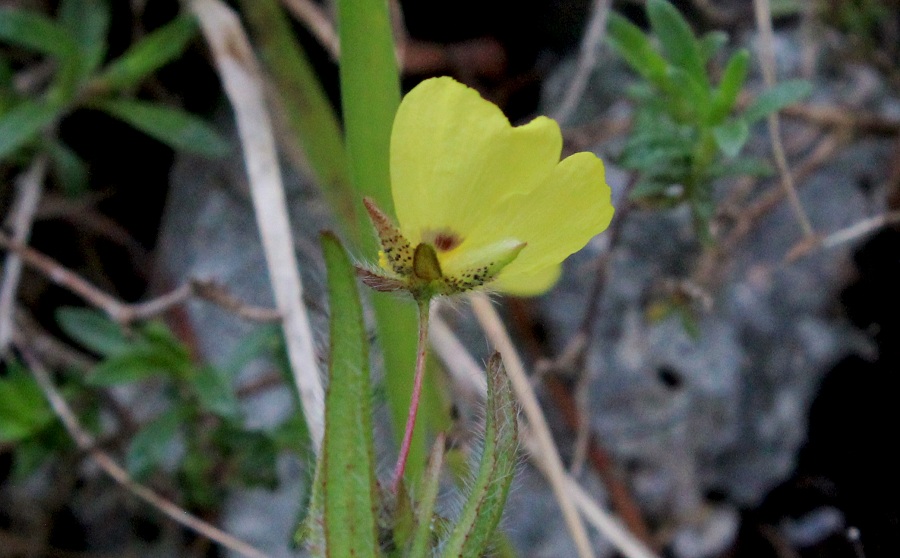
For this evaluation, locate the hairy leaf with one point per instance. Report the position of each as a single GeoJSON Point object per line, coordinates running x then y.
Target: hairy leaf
{"type": "Point", "coordinates": [423, 536]}
{"type": "Point", "coordinates": [490, 486]}
{"type": "Point", "coordinates": [348, 463]}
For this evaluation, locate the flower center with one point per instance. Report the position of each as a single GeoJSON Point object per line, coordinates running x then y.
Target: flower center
{"type": "Point", "coordinates": [443, 240]}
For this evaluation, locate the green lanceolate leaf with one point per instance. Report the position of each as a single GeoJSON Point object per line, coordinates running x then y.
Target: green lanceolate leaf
{"type": "Point", "coordinates": [88, 22]}
{"type": "Point", "coordinates": [24, 410]}
{"type": "Point", "coordinates": [93, 330]}
{"type": "Point", "coordinates": [152, 52]}
{"type": "Point", "coordinates": [177, 129]}
{"type": "Point", "coordinates": [730, 87]}
{"type": "Point", "coordinates": [155, 351]}
{"type": "Point", "coordinates": [23, 123]}
{"type": "Point", "coordinates": [348, 464]}
{"type": "Point", "coordinates": [70, 170]}
{"type": "Point", "coordinates": [711, 43]}
{"type": "Point", "coordinates": [152, 443]}
{"type": "Point", "coordinates": [677, 39]}
{"type": "Point", "coordinates": [731, 136]}
{"type": "Point", "coordinates": [490, 486]}
{"type": "Point", "coordinates": [306, 106]}
{"type": "Point", "coordinates": [782, 95]}
{"type": "Point", "coordinates": [423, 536]}
{"type": "Point", "coordinates": [215, 392]}
{"type": "Point", "coordinates": [370, 95]}
{"type": "Point", "coordinates": [634, 46]}
{"type": "Point", "coordinates": [35, 31]}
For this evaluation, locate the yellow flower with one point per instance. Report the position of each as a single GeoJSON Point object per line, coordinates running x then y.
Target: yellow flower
{"type": "Point", "coordinates": [479, 201]}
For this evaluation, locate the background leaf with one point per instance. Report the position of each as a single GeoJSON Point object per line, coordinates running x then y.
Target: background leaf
{"type": "Point", "coordinates": [177, 129]}
{"type": "Point", "coordinates": [24, 410]}
{"type": "Point", "coordinates": [733, 77]}
{"type": "Point", "coordinates": [152, 52]}
{"type": "Point", "coordinates": [69, 169]}
{"type": "Point", "coordinates": [36, 32]}
{"type": "Point", "coordinates": [731, 136]}
{"type": "Point", "coordinates": [88, 23]}
{"type": "Point", "coordinates": [215, 392]}
{"type": "Point", "coordinates": [634, 46]}
{"type": "Point", "coordinates": [93, 330]}
{"type": "Point", "coordinates": [677, 38]}
{"type": "Point", "coordinates": [23, 123]}
{"type": "Point", "coordinates": [782, 95]}
{"type": "Point", "coordinates": [152, 443]}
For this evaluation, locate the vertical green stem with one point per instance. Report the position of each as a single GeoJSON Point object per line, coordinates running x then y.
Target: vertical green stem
{"type": "Point", "coordinates": [422, 350]}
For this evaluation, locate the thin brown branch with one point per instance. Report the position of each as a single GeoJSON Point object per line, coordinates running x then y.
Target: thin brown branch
{"type": "Point", "coordinates": [587, 59]}
{"type": "Point", "coordinates": [767, 56]}
{"type": "Point", "coordinates": [29, 186]}
{"type": "Point", "coordinates": [862, 122]}
{"type": "Point", "coordinates": [85, 442]}
{"type": "Point", "coordinates": [843, 236]}
{"type": "Point", "coordinates": [126, 313]}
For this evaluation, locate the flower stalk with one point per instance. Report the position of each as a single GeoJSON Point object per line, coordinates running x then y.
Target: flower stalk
{"type": "Point", "coordinates": [421, 352]}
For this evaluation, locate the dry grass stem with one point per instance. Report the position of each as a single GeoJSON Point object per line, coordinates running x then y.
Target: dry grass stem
{"type": "Point", "coordinates": [587, 59]}
{"type": "Point", "coordinates": [29, 186]}
{"type": "Point", "coordinates": [241, 78]}
{"type": "Point", "coordinates": [767, 57]}
{"type": "Point", "coordinates": [86, 443]}
{"type": "Point", "coordinates": [545, 452]}
{"type": "Point", "coordinates": [125, 313]}
{"type": "Point", "coordinates": [840, 117]}
{"type": "Point", "coordinates": [843, 236]}
{"type": "Point", "coordinates": [606, 523]}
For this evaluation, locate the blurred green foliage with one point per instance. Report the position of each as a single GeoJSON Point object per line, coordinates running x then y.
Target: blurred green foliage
{"type": "Point", "coordinates": [688, 130]}
{"type": "Point", "coordinates": [75, 43]}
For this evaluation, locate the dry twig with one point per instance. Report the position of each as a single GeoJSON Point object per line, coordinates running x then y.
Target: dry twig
{"type": "Point", "coordinates": [767, 56]}
{"type": "Point", "coordinates": [29, 186]}
{"type": "Point", "coordinates": [587, 59]}
{"type": "Point", "coordinates": [124, 313]}
{"type": "Point", "coordinates": [845, 235]}
{"type": "Point", "coordinates": [86, 443]}
{"type": "Point", "coordinates": [241, 78]}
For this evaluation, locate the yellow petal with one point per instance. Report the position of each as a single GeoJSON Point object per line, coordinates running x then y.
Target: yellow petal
{"type": "Point", "coordinates": [556, 219]}
{"type": "Point", "coordinates": [454, 157]}
{"type": "Point", "coordinates": [521, 284]}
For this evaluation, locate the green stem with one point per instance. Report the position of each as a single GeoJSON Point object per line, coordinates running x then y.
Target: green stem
{"type": "Point", "coordinates": [424, 306]}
